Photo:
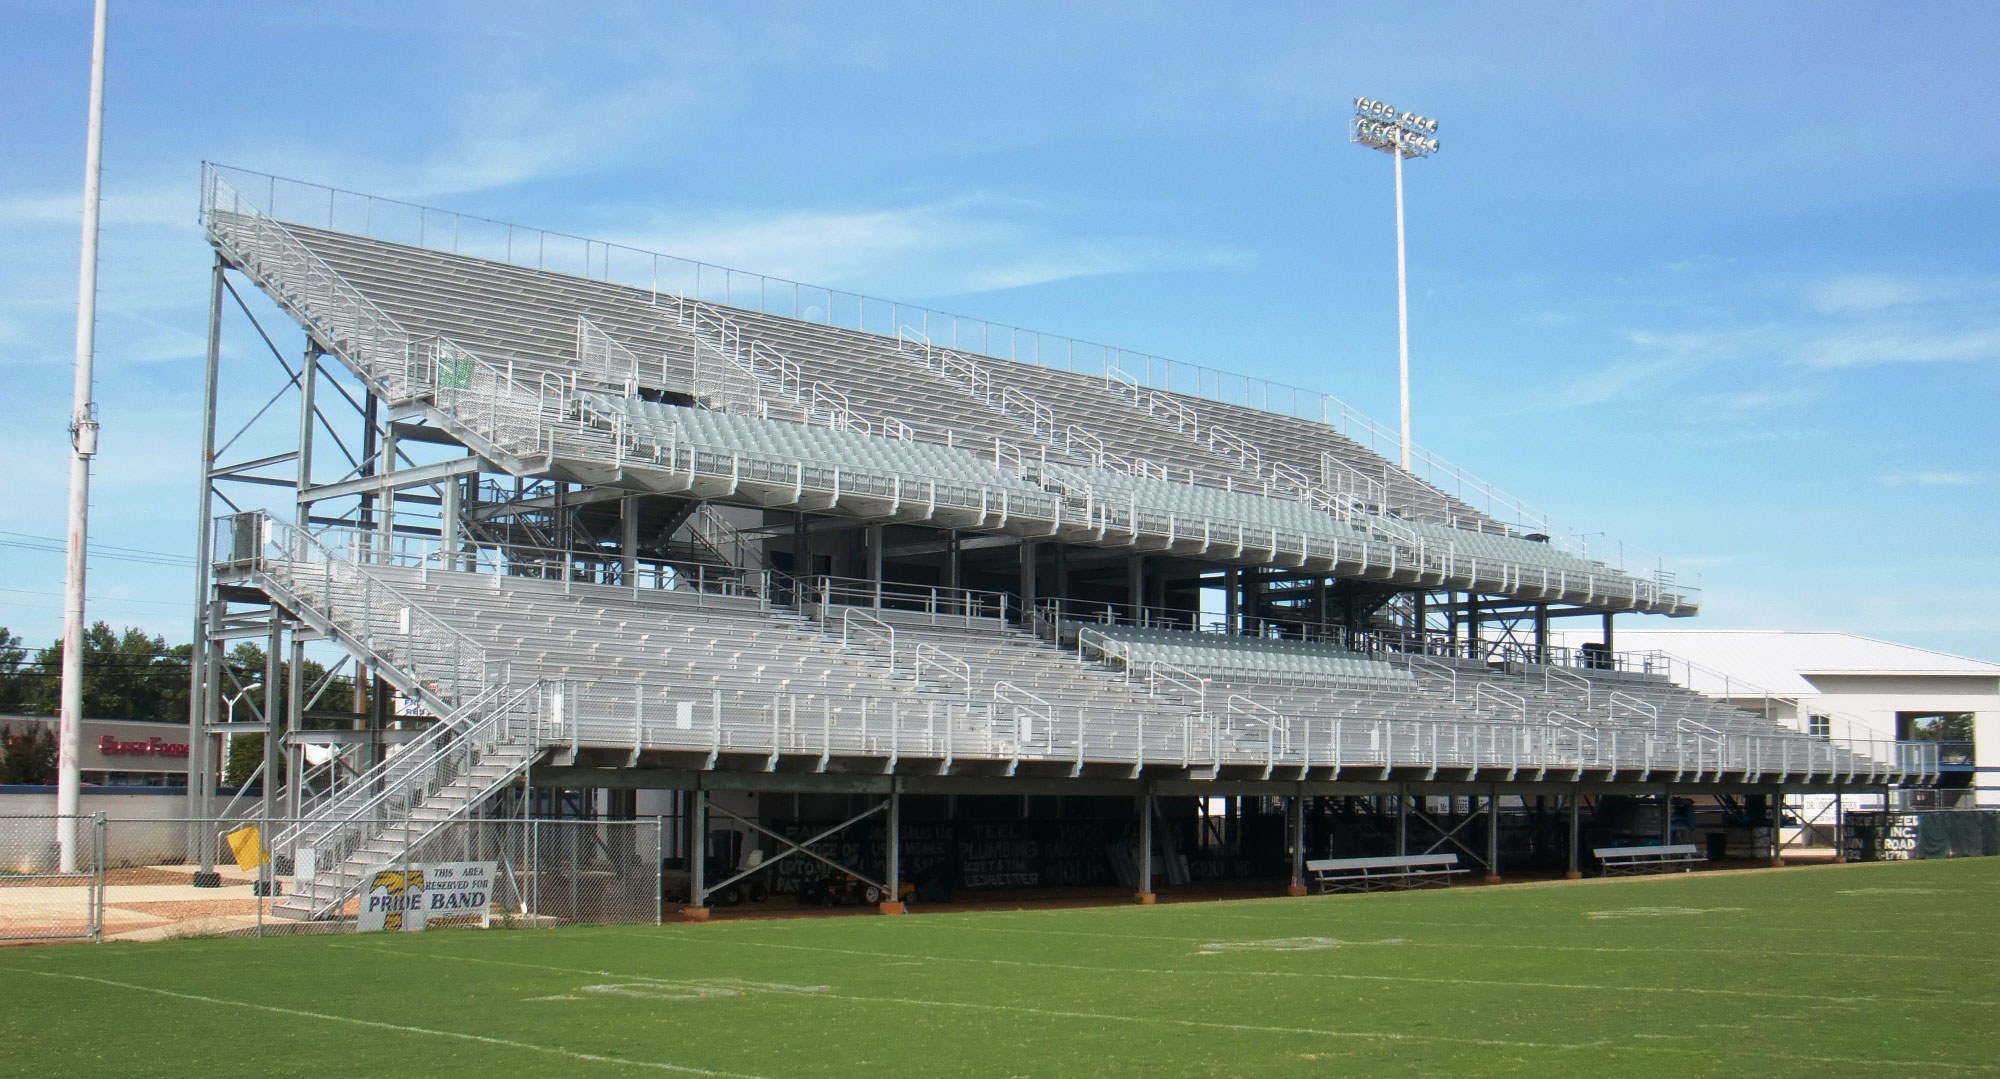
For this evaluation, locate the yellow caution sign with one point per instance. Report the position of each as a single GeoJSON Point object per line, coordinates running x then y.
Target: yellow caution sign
{"type": "Point", "coordinates": [247, 844]}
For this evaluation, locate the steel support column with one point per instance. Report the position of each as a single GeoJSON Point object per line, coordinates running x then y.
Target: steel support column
{"type": "Point", "coordinates": [1403, 820]}
{"type": "Point", "coordinates": [295, 710]}
{"type": "Point", "coordinates": [628, 540]}
{"type": "Point", "coordinates": [697, 856]}
{"type": "Point", "coordinates": [1575, 871]}
{"type": "Point", "coordinates": [198, 702]}
{"type": "Point", "coordinates": [1145, 894]}
{"type": "Point", "coordinates": [1666, 814]}
{"type": "Point", "coordinates": [1839, 826]}
{"type": "Point", "coordinates": [1492, 834]}
{"type": "Point", "coordinates": [1777, 801]}
{"type": "Point", "coordinates": [1028, 550]}
{"type": "Point", "coordinates": [1298, 830]}
{"type": "Point", "coordinates": [892, 903]}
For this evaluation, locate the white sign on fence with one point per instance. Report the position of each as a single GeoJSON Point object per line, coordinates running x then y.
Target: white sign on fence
{"type": "Point", "coordinates": [411, 898]}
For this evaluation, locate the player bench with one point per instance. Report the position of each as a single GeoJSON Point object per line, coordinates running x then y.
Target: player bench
{"type": "Point", "coordinates": [1367, 874]}
{"type": "Point", "coordinates": [1628, 861]}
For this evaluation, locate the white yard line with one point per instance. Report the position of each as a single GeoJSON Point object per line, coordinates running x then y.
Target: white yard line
{"type": "Point", "coordinates": [1604, 1045]}
{"type": "Point", "coordinates": [504, 1043]}
{"type": "Point", "coordinates": [932, 923]}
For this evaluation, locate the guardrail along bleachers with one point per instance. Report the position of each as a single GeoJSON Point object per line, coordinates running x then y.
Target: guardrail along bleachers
{"type": "Point", "coordinates": [696, 643]}
{"type": "Point", "coordinates": [780, 440]}
{"type": "Point", "coordinates": [1114, 492]}
{"type": "Point", "coordinates": [1246, 659]}
{"type": "Point", "coordinates": [1498, 548]}
{"type": "Point", "coordinates": [1299, 443]}
{"type": "Point", "coordinates": [881, 384]}
{"type": "Point", "coordinates": [506, 313]}
{"type": "Point", "coordinates": [995, 653]}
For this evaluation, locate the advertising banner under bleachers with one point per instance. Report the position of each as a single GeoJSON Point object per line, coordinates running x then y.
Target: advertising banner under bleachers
{"type": "Point", "coordinates": [412, 898]}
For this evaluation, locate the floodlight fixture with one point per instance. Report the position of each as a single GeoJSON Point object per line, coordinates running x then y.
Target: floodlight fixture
{"type": "Point", "coordinates": [1380, 126]}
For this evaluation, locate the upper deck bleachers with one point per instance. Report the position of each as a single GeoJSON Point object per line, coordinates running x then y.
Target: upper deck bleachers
{"type": "Point", "coordinates": [510, 314]}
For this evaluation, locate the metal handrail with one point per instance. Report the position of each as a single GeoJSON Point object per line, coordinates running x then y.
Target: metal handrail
{"type": "Point", "coordinates": [1023, 701]}
{"type": "Point", "coordinates": [1551, 677]}
{"type": "Point", "coordinates": [933, 600]}
{"type": "Point", "coordinates": [1414, 662]}
{"type": "Point", "coordinates": [1487, 695]}
{"type": "Point", "coordinates": [1277, 732]}
{"type": "Point", "coordinates": [927, 656]}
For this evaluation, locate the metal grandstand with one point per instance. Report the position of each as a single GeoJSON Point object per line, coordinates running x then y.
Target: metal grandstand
{"type": "Point", "coordinates": [599, 518]}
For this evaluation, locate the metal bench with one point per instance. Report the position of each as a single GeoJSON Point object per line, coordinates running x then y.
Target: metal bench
{"type": "Point", "coordinates": [1368, 874]}
{"type": "Point", "coordinates": [1628, 861]}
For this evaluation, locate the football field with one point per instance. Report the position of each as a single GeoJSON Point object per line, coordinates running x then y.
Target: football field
{"type": "Point", "coordinates": [1864, 970]}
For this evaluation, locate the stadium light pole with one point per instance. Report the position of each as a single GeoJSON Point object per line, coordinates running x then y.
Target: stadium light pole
{"type": "Point", "coordinates": [83, 445]}
{"type": "Point", "coordinates": [1378, 125]}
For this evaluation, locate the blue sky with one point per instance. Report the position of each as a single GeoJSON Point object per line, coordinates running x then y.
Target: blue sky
{"type": "Point", "coordinates": [1722, 281]}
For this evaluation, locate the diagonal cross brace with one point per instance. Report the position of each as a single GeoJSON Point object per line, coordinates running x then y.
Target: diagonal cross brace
{"type": "Point", "coordinates": [1451, 836]}
{"type": "Point", "coordinates": [792, 848]}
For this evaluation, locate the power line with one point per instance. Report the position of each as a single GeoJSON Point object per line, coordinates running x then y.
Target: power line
{"type": "Point", "coordinates": [51, 545]}
{"type": "Point", "coordinates": [99, 599]}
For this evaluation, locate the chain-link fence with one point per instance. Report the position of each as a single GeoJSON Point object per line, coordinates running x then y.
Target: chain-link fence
{"type": "Point", "coordinates": [51, 877]}
{"type": "Point", "coordinates": [164, 878]}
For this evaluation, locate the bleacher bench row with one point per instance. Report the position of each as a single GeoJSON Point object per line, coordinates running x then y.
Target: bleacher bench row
{"type": "Point", "coordinates": [1421, 870]}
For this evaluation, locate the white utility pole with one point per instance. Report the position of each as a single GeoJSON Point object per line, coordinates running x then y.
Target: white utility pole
{"type": "Point", "coordinates": [1377, 124]}
{"type": "Point", "coordinates": [83, 445]}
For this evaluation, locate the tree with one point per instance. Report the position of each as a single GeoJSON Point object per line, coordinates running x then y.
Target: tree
{"type": "Point", "coordinates": [28, 755]}
{"type": "Point", "coordinates": [13, 688]}
{"type": "Point", "coordinates": [127, 675]}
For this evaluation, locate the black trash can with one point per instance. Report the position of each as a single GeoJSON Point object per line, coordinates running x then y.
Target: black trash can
{"type": "Point", "coordinates": [1718, 846]}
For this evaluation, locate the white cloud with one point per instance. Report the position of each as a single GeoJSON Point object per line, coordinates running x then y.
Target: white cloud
{"type": "Point", "coordinates": [1873, 346]}
{"type": "Point", "coordinates": [1932, 478]}
{"type": "Point", "coordinates": [944, 247]}
{"type": "Point", "coordinates": [1862, 292]}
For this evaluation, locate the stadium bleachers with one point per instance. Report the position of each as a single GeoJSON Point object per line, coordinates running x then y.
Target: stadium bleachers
{"type": "Point", "coordinates": [921, 462]}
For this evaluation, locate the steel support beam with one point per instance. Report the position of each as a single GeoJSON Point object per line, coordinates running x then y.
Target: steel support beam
{"type": "Point", "coordinates": [892, 899]}
{"type": "Point", "coordinates": [1575, 871]}
{"type": "Point", "coordinates": [1492, 835]}
{"type": "Point", "coordinates": [697, 855]}
{"type": "Point", "coordinates": [1145, 894]}
{"type": "Point", "coordinates": [1298, 830]}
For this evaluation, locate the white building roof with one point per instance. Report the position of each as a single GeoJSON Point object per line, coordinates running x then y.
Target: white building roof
{"type": "Point", "coordinates": [1780, 660]}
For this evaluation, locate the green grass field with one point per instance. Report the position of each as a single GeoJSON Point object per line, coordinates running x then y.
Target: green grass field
{"type": "Point", "coordinates": [1881, 969]}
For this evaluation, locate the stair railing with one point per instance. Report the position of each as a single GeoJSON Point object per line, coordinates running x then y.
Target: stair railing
{"type": "Point", "coordinates": [336, 837]}
{"type": "Point", "coordinates": [603, 356]}
{"type": "Point", "coordinates": [1555, 676]}
{"type": "Point", "coordinates": [1028, 709]}
{"type": "Point", "coordinates": [443, 666]}
{"type": "Point", "coordinates": [1487, 697]}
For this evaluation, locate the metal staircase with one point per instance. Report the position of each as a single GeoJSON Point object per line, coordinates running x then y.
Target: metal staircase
{"type": "Point", "coordinates": [486, 731]}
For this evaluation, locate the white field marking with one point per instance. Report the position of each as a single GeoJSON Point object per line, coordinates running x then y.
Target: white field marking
{"type": "Point", "coordinates": [1516, 928]}
{"type": "Point", "coordinates": [1660, 912]}
{"type": "Point", "coordinates": [1200, 1024]}
{"type": "Point", "coordinates": [300, 1013]}
{"type": "Point", "coordinates": [1388, 1035]}
{"type": "Point", "coordinates": [1333, 976]}
{"type": "Point", "coordinates": [933, 923]}
{"type": "Point", "coordinates": [1284, 944]}
{"type": "Point", "coordinates": [700, 989]}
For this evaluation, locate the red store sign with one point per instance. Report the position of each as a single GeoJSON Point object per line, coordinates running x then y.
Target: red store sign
{"type": "Point", "coordinates": [151, 747]}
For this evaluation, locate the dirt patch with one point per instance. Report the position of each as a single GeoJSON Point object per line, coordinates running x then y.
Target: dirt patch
{"type": "Point", "coordinates": [180, 911]}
